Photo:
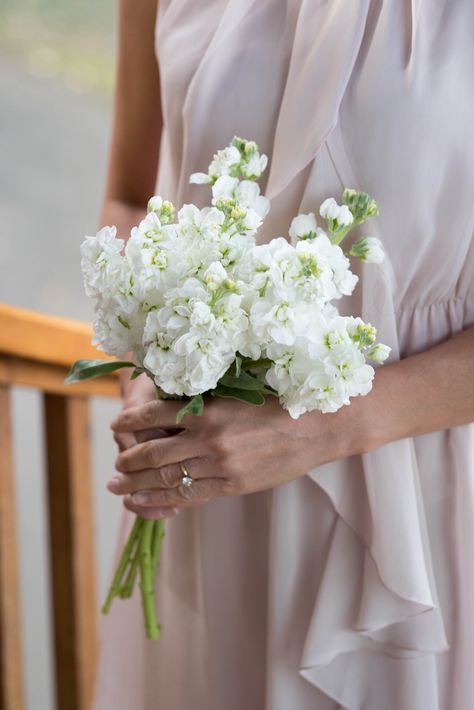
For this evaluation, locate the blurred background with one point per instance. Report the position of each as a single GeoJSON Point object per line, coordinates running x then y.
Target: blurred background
{"type": "Point", "coordinates": [56, 85]}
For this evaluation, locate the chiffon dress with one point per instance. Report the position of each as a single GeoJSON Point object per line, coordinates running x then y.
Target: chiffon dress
{"type": "Point", "coordinates": [353, 586]}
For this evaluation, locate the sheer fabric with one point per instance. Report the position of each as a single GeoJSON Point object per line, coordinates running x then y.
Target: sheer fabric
{"type": "Point", "coordinates": [351, 587]}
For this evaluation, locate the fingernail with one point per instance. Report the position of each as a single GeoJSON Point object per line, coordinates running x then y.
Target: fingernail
{"type": "Point", "coordinates": [166, 512]}
{"type": "Point", "coordinates": [114, 484]}
{"type": "Point", "coordinates": [141, 497]}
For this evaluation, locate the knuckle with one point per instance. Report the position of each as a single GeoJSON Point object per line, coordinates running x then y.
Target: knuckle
{"type": "Point", "coordinates": [166, 476]}
{"type": "Point", "coordinates": [120, 463]}
{"type": "Point", "coordinates": [152, 453]}
{"type": "Point", "coordinates": [188, 493]}
{"type": "Point", "coordinates": [235, 484]}
{"type": "Point", "coordinates": [150, 413]}
{"type": "Point", "coordinates": [220, 444]}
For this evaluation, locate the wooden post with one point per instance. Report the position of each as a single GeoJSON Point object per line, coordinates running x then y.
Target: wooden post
{"type": "Point", "coordinates": [11, 674]}
{"type": "Point", "coordinates": [72, 548]}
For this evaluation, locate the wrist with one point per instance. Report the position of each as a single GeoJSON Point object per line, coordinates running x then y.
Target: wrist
{"type": "Point", "coordinates": [367, 423]}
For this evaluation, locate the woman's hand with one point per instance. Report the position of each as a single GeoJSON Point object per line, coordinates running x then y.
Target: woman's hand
{"type": "Point", "coordinates": [236, 448]}
{"type": "Point", "coordinates": [136, 393]}
{"type": "Point", "coordinates": [232, 449]}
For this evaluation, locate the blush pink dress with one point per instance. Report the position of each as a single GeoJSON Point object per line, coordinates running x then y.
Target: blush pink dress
{"type": "Point", "coordinates": [353, 586]}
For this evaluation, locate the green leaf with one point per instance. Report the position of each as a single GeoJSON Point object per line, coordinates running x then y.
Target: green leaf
{"type": "Point", "coordinates": [136, 373]}
{"type": "Point", "coordinates": [238, 365]}
{"type": "Point", "coordinates": [244, 381]}
{"type": "Point", "coordinates": [263, 362]}
{"type": "Point", "coordinates": [194, 406]}
{"type": "Point", "coordinates": [87, 369]}
{"type": "Point", "coordinates": [250, 396]}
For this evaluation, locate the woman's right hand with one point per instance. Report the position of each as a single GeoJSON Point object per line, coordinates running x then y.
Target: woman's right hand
{"type": "Point", "coordinates": [136, 392]}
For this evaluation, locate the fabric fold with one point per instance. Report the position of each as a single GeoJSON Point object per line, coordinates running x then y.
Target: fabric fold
{"type": "Point", "coordinates": [321, 65]}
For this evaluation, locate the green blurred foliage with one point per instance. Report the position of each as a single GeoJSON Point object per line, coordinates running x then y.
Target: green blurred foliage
{"type": "Point", "coordinates": [72, 41]}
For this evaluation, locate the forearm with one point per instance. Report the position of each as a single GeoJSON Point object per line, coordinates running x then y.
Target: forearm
{"type": "Point", "coordinates": [137, 125]}
{"type": "Point", "coordinates": [428, 392]}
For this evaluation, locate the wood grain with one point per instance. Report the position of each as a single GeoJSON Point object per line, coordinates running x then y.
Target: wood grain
{"type": "Point", "coordinates": [11, 671]}
{"type": "Point", "coordinates": [72, 548]}
{"type": "Point", "coordinates": [50, 378]}
{"type": "Point", "coordinates": [45, 338]}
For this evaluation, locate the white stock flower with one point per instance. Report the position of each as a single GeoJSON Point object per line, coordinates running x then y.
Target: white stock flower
{"type": "Point", "coordinates": [322, 370]}
{"type": "Point", "coordinates": [195, 223]}
{"type": "Point", "coordinates": [187, 297]}
{"type": "Point", "coordinates": [343, 278]}
{"type": "Point", "coordinates": [291, 273]}
{"type": "Point", "coordinates": [247, 194]}
{"type": "Point", "coordinates": [254, 166]}
{"type": "Point", "coordinates": [224, 161]}
{"type": "Point", "coordinates": [118, 328]}
{"type": "Point", "coordinates": [194, 338]}
{"type": "Point", "coordinates": [303, 226]}
{"type": "Point", "coordinates": [223, 188]}
{"type": "Point", "coordinates": [101, 263]}
{"type": "Point", "coordinates": [335, 215]}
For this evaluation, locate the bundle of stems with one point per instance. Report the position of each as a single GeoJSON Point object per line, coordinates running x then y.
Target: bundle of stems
{"type": "Point", "coordinates": [141, 556]}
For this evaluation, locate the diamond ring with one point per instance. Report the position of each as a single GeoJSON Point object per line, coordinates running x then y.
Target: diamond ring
{"type": "Point", "coordinates": [186, 480]}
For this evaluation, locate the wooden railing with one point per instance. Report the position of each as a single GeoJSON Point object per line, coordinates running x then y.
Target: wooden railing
{"type": "Point", "coordinates": [36, 351]}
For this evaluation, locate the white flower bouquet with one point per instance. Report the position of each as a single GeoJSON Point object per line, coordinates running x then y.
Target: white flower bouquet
{"type": "Point", "coordinates": [206, 312]}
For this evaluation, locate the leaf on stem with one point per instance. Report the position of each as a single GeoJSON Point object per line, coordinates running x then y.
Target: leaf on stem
{"type": "Point", "coordinates": [194, 406]}
{"type": "Point", "coordinates": [87, 369]}
{"type": "Point", "coordinates": [249, 396]}
{"type": "Point", "coordinates": [244, 381]}
{"type": "Point", "coordinates": [136, 373]}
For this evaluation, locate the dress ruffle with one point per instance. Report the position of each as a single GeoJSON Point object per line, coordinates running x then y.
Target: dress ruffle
{"type": "Point", "coordinates": [376, 613]}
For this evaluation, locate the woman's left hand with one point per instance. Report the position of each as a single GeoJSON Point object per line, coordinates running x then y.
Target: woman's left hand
{"type": "Point", "coordinates": [232, 449]}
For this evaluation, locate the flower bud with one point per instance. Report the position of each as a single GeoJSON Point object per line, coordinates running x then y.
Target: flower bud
{"type": "Point", "coordinates": [199, 179]}
{"type": "Point", "coordinates": [364, 334]}
{"type": "Point", "coordinates": [368, 249]}
{"type": "Point", "coordinates": [154, 204]}
{"type": "Point", "coordinates": [163, 209]}
{"type": "Point", "coordinates": [360, 204]}
{"type": "Point", "coordinates": [379, 353]}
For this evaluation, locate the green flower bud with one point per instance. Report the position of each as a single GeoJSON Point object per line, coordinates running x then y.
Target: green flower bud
{"type": "Point", "coordinates": [360, 204]}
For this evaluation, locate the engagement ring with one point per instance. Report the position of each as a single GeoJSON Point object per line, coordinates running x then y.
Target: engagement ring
{"type": "Point", "coordinates": [186, 479]}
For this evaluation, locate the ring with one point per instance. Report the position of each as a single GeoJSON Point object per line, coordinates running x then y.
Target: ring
{"type": "Point", "coordinates": [186, 480]}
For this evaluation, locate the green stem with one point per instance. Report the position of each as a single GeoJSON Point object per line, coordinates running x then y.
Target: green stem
{"type": "Point", "coordinates": [114, 589]}
{"type": "Point", "coordinates": [158, 535]}
{"type": "Point", "coordinates": [126, 590]}
{"type": "Point", "coordinates": [337, 237]}
{"type": "Point", "coordinates": [147, 581]}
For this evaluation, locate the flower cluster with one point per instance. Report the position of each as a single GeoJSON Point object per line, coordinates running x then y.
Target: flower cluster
{"type": "Point", "coordinates": [204, 309]}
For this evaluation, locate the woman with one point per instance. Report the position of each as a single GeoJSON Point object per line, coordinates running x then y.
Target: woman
{"type": "Point", "coordinates": [323, 563]}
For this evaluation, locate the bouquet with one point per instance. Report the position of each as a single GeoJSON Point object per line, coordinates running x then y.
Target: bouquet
{"type": "Point", "coordinates": [206, 312]}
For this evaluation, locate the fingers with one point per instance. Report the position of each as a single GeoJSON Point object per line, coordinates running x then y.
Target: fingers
{"type": "Point", "coordinates": [150, 513]}
{"type": "Point", "coordinates": [158, 413]}
{"type": "Point", "coordinates": [125, 440]}
{"type": "Point", "coordinates": [165, 477]}
{"type": "Point", "coordinates": [157, 453]}
{"type": "Point", "coordinates": [198, 493]}
{"type": "Point", "coordinates": [148, 434]}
